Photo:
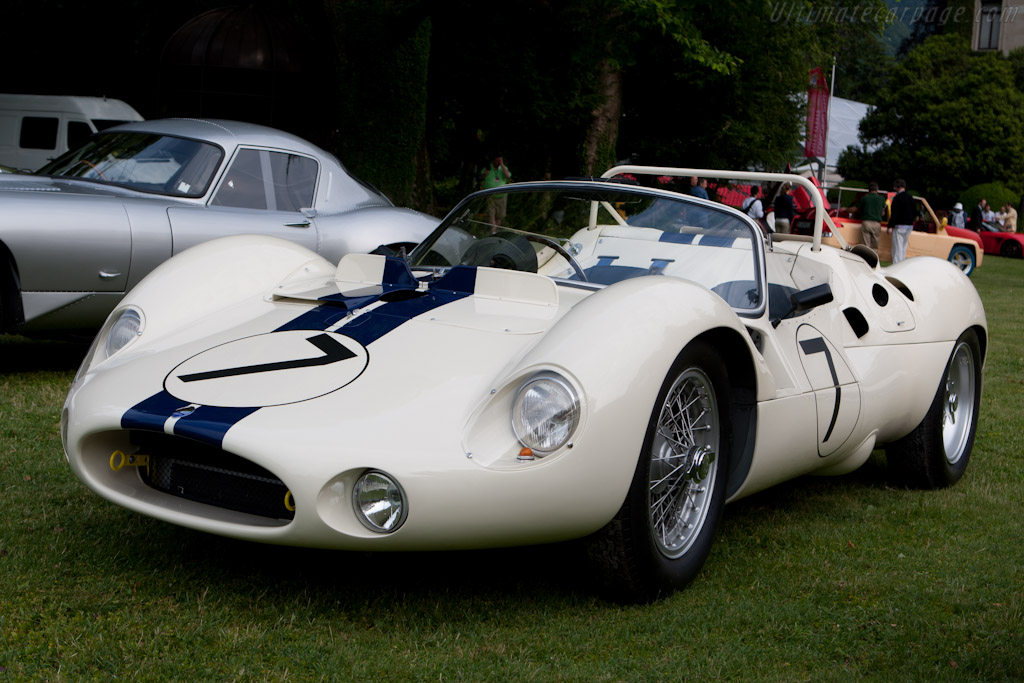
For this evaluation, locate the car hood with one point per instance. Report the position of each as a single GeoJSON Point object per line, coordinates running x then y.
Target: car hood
{"type": "Point", "coordinates": [369, 352]}
{"type": "Point", "coordinates": [50, 185]}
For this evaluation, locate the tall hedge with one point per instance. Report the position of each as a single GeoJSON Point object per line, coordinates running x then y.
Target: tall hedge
{"type": "Point", "coordinates": [383, 52]}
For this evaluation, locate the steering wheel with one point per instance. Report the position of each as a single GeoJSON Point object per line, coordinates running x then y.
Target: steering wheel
{"type": "Point", "coordinates": [548, 242]}
{"type": "Point", "coordinates": [92, 166]}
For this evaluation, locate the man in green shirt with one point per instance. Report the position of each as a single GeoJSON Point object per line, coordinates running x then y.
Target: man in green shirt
{"type": "Point", "coordinates": [496, 175]}
{"type": "Point", "coordinates": [871, 207]}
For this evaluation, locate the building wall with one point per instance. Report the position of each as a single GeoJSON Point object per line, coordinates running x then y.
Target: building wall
{"type": "Point", "coordinates": [998, 25]}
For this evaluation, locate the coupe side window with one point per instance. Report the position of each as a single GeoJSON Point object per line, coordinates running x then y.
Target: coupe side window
{"type": "Point", "coordinates": [261, 179]}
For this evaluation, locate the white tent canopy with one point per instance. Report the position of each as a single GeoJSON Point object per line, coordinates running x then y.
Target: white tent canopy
{"type": "Point", "coordinates": [844, 117]}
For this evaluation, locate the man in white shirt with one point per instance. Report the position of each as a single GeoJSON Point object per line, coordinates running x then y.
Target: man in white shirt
{"type": "Point", "coordinates": [752, 206]}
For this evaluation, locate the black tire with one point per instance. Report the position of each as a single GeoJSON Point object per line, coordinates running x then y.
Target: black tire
{"type": "Point", "coordinates": [1010, 249]}
{"type": "Point", "coordinates": [641, 555]}
{"type": "Point", "coordinates": [936, 453]}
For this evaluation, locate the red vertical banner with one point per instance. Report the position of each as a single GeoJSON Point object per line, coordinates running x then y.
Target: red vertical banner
{"type": "Point", "coordinates": [817, 114]}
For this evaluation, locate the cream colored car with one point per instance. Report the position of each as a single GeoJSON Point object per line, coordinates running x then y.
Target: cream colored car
{"type": "Point", "coordinates": [609, 362]}
{"type": "Point", "coordinates": [964, 253]}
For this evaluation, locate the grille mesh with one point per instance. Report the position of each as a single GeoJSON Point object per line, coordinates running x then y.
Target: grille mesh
{"type": "Point", "coordinates": [188, 469]}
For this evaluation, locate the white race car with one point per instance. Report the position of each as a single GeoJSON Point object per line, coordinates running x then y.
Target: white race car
{"type": "Point", "coordinates": [557, 360]}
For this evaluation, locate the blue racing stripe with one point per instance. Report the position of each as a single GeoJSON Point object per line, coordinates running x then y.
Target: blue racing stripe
{"type": "Point", "coordinates": [152, 413]}
{"type": "Point", "coordinates": [677, 237]}
{"type": "Point", "coordinates": [209, 424]}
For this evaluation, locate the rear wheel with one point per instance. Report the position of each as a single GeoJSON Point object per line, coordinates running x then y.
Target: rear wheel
{"type": "Point", "coordinates": [662, 534]}
{"type": "Point", "coordinates": [1010, 249]}
{"type": "Point", "coordinates": [963, 258]}
{"type": "Point", "coordinates": [935, 454]}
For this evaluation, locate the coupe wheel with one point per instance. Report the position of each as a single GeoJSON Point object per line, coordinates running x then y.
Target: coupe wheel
{"type": "Point", "coordinates": [662, 534]}
{"type": "Point", "coordinates": [1011, 249]}
{"type": "Point", "coordinates": [935, 454]}
{"type": "Point", "coordinates": [963, 258]}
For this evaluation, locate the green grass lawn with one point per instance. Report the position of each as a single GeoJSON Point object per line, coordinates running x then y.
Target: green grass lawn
{"type": "Point", "coordinates": [818, 579]}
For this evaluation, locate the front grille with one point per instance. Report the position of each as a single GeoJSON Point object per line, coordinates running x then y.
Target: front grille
{"type": "Point", "coordinates": [205, 474]}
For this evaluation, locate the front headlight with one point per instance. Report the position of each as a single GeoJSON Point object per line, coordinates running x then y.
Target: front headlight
{"type": "Point", "coordinates": [379, 502]}
{"type": "Point", "coordinates": [125, 328]}
{"type": "Point", "coordinates": [545, 413]}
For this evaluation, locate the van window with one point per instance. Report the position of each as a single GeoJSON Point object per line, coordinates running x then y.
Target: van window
{"type": "Point", "coordinates": [39, 132]}
{"type": "Point", "coordinates": [78, 133]}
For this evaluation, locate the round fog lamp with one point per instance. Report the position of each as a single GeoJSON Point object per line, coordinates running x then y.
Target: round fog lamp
{"type": "Point", "coordinates": [379, 502]}
{"type": "Point", "coordinates": [545, 413]}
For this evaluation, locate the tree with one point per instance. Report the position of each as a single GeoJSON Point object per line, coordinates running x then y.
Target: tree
{"type": "Point", "coordinates": [382, 52]}
{"type": "Point", "coordinates": [949, 121]}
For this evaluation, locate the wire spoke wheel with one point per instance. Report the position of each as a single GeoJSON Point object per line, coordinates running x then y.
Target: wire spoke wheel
{"type": "Point", "coordinates": [683, 463]}
{"type": "Point", "coordinates": [662, 535]}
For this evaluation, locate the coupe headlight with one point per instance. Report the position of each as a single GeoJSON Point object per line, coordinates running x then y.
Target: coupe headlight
{"type": "Point", "coordinates": [545, 413]}
{"type": "Point", "coordinates": [126, 328]}
{"type": "Point", "coordinates": [379, 502]}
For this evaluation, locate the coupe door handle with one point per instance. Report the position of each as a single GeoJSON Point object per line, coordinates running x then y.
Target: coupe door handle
{"type": "Point", "coordinates": [107, 275]}
{"type": "Point", "coordinates": [302, 224]}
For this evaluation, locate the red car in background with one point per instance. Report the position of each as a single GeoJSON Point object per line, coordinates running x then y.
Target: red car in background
{"type": "Point", "coordinates": [993, 239]}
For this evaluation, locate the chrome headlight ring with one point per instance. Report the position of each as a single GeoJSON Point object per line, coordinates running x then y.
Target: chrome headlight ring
{"type": "Point", "coordinates": [379, 501]}
{"type": "Point", "coordinates": [545, 412]}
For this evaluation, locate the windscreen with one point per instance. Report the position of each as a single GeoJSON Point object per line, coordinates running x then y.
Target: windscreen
{"type": "Point", "coordinates": [162, 164]}
{"type": "Point", "coordinates": [602, 234]}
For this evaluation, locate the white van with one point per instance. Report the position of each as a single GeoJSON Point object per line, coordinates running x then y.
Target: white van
{"type": "Point", "coordinates": [37, 128]}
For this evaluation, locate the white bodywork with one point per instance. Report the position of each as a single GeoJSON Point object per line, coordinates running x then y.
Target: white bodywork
{"type": "Point", "coordinates": [428, 401]}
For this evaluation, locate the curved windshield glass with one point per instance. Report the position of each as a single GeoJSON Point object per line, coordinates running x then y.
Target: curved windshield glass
{"type": "Point", "coordinates": [167, 165]}
{"type": "Point", "coordinates": [601, 234]}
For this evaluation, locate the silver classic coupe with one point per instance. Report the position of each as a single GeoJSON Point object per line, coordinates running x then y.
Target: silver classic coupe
{"type": "Point", "coordinates": [84, 229]}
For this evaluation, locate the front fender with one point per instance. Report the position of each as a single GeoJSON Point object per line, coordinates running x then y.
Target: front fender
{"type": "Point", "coordinates": [617, 346]}
{"type": "Point", "coordinates": [212, 276]}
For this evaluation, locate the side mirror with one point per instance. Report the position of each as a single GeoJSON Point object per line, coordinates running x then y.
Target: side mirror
{"type": "Point", "coordinates": [308, 213]}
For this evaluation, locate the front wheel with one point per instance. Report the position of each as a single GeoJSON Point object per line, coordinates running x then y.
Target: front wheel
{"type": "Point", "coordinates": [963, 258]}
{"type": "Point", "coordinates": [935, 454]}
{"type": "Point", "coordinates": [662, 534]}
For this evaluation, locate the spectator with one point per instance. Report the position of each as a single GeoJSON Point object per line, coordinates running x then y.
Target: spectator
{"type": "Point", "coordinates": [956, 217]}
{"type": "Point", "coordinates": [785, 210]}
{"type": "Point", "coordinates": [988, 214]}
{"type": "Point", "coordinates": [977, 216]}
{"type": "Point", "coordinates": [496, 175]}
{"type": "Point", "coordinates": [901, 220]}
{"type": "Point", "coordinates": [1008, 216]}
{"type": "Point", "coordinates": [870, 208]}
{"type": "Point", "coordinates": [752, 206]}
{"type": "Point", "coordinates": [699, 187]}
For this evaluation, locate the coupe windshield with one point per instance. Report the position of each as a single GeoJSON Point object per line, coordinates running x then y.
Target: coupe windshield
{"type": "Point", "coordinates": [601, 235]}
{"type": "Point", "coordinates": [167, 165]}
